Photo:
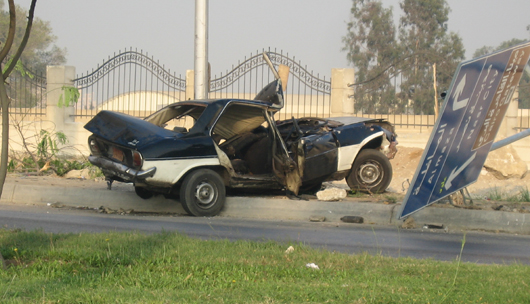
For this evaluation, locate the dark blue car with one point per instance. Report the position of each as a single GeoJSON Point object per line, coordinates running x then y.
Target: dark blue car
{"type": "Point", "coordinates": [196, 149]}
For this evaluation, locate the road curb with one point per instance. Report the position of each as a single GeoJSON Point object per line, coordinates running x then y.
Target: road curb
{"type": "Point", "coordinates": [277, 208]}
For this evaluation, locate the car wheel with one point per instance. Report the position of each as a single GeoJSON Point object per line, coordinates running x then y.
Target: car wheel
{"type": "Point", "coordinates": [371, 171]}
{"type": "Point", "coordinates": [143, 193]}
{"type": "Point", "coordinates": [202, 193]}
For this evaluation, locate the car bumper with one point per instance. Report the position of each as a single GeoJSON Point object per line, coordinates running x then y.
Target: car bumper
{"type": "Point", "coordinates": [118, 169]}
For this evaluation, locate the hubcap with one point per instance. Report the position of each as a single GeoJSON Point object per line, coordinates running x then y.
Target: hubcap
{"type": "Point", "coordinates": [205, 193]}
{"type": "Point", "coordinates": [369, 173]}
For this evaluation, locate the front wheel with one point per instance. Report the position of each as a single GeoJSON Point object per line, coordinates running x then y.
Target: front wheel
{"type": "Point", "coordinates": [371, 171]}
{"type": "Point", "coordinates": [203, 193]}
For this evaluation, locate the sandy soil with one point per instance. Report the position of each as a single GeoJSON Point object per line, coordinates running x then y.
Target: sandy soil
{"type": "Point", "coordinates": [406, 162]}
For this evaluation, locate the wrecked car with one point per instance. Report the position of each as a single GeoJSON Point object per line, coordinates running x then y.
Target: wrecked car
{"type": "Point", "coordinates": [195, 149]}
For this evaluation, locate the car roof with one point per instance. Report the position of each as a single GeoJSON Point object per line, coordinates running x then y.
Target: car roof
{"type": "Point", "coordinates": [221, 102]}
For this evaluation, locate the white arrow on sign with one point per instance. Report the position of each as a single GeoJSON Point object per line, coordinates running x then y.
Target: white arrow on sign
{"type": "Point", "coordinates": [458, 91]}
{"type": "Point", "coordinates": [457, 171]}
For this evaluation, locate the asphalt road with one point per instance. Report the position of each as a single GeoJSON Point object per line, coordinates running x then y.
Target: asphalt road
{"type": "Point", "coordinates": [344, 237]}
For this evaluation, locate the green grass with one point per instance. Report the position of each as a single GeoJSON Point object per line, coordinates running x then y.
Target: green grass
{"type": "Point", "coordinates": [523, 195]}
{"type": "Point", "coordinates": [496, 194]}
{"type": "Point", "coordinates": [172, 268]}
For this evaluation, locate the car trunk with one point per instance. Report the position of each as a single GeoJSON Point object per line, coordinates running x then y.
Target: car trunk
{"type": "Point", "coordinates": [126, 130]}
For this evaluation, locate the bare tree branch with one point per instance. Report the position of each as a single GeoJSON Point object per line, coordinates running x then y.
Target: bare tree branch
{"type": "Point", "coordinates": [24, 41]}
{"type": "Point", "coordinates": [11, 33]}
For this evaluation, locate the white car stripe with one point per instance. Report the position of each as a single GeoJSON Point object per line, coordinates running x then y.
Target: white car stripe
{"type": "Point", "coordinates": [348, 154]}
{"type": "Point", "coordinates": [169, 172]}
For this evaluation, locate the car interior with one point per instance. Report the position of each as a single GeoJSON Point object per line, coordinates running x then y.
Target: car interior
{"type": "Point", "coordinates": [242, 133]}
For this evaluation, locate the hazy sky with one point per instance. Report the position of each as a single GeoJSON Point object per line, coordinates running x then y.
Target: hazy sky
{"type": "Point", "coordinates": [311, 30]}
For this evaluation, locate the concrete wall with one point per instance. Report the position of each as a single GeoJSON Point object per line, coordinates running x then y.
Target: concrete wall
{"type": "Point", "coordinates": [145, 101]}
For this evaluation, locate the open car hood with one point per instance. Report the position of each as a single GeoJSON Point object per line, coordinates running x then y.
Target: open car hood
{"type": "Point", "coordinates": [126, 130]}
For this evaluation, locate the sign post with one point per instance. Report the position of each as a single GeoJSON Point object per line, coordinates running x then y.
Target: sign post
{"type": "Point", "coordinates": [477, 101]}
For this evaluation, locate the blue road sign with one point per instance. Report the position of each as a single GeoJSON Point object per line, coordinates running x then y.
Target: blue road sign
{"type": "Point", "coordinates": [477, 101]}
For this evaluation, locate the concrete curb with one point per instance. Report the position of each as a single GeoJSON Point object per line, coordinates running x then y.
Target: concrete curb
{"type": "Point", "coordinates": [277, 208]}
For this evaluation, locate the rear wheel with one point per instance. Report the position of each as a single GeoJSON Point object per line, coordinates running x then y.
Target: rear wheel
{"type": "Point", "coordinates": [203, 193]}
{"type": "Point", "coordinates": [143, 193]}
{"type": "Point", "coordinates": [371, 171]}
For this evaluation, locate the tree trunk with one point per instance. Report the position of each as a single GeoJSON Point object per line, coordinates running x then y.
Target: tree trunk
{"type": "Point", "coordinates": [4, 101]}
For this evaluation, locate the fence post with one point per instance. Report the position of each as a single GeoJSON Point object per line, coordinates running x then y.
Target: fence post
{"type": "Point", "coordinates": [57, 77]}
{"type": "Point", "coordinates": [342, 102]}
{"type": "Point", "coordinates": [190, 84]}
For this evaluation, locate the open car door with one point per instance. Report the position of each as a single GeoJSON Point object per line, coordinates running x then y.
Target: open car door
{"type": "Point", "coordinates": [289, 170]}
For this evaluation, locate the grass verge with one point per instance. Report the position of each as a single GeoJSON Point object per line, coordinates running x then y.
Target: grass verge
{"type": "Point", "coordinates": [520, 195]}
{"type": "Point", "coordinates": [172, 268]}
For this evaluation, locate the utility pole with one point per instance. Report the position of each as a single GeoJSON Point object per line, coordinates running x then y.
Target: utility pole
{"type": "Point", "coordinates": [202, 84]}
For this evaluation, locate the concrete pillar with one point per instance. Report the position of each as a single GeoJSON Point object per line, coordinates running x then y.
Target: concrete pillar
{"type": "Point", "coordinates": [190, 84]}
{"type": "Point", "coordinates": [57, 77]}
{"type": "Point", "coordinates": [342, 101]}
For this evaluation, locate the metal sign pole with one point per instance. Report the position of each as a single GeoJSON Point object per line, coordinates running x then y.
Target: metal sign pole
{"type": "Point", "coordinates": [201, 49]}
{"type": "Point", "coordinates": [509, 140]}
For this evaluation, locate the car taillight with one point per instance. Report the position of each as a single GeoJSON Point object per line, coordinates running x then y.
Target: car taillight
{"type": "Point", "coordinates": [94, 148]}
{"type": "Point", "coordinates": [137, 159]}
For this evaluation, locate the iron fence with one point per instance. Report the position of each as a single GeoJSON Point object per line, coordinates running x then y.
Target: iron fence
{"type": "Point", "coordinates": [399, 109]}
{"type": "Point", "coordinates": [130, 82]}
{"type": "Point", "coordinates": [523, 119]}
{"type": "Point", "coordinates": [305, 94]}
{"type": "Point", "coordinates": [136, 84]}
{"type": "Point", "coordinates": [27, 93]}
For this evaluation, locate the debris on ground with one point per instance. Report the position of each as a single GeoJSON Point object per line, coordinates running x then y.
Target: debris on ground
{"type": "Point", "coordinates": [433, 226]}
{"type": "Point", "coordinates": [312, 265]}
{"type": "Point", "coordinates": [352, 219]}
{"type": "Point", "coordinates": [331, 194]}
{"type": "Point", "coordinates": [408, 223]}
{"type": "Point", "coordinates": [55, 205]}
{"type": "Point", "coordinates": [316, 218]}
{"type": "Point", "coordinates": [120, 211]}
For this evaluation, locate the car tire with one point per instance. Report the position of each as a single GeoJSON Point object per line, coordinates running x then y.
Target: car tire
{"type": "Point", "coordinates": [203, 193]}
{"type": "Point", "coordinates": [371, 172]}
{"type": "Point", "coordinates": [143, 193]}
